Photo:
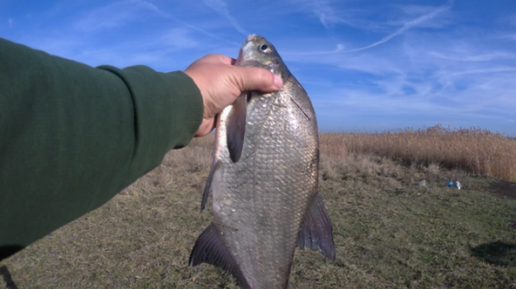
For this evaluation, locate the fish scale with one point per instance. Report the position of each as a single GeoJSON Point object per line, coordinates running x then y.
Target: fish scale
{"type": "Point", "coordinates": [264, 181]}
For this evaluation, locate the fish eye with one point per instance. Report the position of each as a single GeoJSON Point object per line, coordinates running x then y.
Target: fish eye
{"type": "Point", "coordinates": [265, 48]}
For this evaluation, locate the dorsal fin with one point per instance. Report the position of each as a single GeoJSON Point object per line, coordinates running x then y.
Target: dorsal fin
{"type": "Point", "coordinates": [316, 231]}
{"type": "Point", "coordinates": [210, 248]}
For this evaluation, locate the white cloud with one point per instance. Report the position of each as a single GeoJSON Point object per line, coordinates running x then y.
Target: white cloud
{"type": "Point", "coordinates": [411, 11]}
{"type": "Point", "coordinates": [332, 13]}
{"type": "Point", "coordinates": [453, 77]}
{"type": "Point", "coordinates": [179, 38]}
{"type": "Point", "coordinates": [149, 6]}
{"type": "Point", "coordinates": [326, 14]}
{"type": "Point", "coordinates": [495, 55]}
{"type": "Point", "coordinates": [509, 36]}
{"type": "Point", "coordinates": [338, 48]}
{"type": "Point", "coordinates": [111, 16]}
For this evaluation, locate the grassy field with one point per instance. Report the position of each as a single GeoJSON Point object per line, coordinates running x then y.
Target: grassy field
{"type": "Point", "coordinates": [389, 231]}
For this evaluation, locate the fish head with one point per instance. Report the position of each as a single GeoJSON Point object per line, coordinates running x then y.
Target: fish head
{"type": "Point", "coordinates": [258, 52]}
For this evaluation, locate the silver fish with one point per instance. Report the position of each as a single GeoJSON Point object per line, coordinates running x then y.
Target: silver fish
{"type": "Point", "coordinates": [264, 180]}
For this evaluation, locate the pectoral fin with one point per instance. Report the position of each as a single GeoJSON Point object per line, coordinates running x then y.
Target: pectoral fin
{"type": "Point", "coordinates": [210, 248]}
{"type": "Point", "coordinates": [235, 127]}
{"type": "Point", "coordinates": [316, 231]}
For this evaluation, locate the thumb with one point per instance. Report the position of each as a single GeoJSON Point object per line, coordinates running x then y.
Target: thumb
{"type": "Point", "coordinates": [252, 78]}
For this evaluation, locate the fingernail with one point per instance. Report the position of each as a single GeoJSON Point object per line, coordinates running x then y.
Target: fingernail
{"type": "Point", "coordinates": [277, 81]}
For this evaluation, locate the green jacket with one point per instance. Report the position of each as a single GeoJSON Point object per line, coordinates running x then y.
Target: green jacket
{"type": "Point", "coordinates": [73, 136]}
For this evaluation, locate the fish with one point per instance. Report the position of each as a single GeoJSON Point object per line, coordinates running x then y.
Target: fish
{"type": "Point", "coordinates": [264, 180]}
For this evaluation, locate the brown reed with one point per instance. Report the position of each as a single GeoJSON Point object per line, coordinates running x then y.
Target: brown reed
{"type": "Point", "coordinates": [475, 150]}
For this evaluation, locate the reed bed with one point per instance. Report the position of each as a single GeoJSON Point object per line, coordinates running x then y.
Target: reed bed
{"type": "Point", "coordinates": [475, 150]}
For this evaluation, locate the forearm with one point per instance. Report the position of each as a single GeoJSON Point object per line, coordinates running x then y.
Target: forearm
{"type": "Point", "coordinates": [72, 136]}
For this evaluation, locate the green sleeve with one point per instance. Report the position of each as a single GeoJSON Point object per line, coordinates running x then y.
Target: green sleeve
{"type": "Point", "coordinates": [73, 136]}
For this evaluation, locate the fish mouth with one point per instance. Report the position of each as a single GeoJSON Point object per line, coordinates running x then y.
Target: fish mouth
{"type": "Point", "coordinates": [253, 37]}
{"type": "Point", "coordinates": [246, 49]}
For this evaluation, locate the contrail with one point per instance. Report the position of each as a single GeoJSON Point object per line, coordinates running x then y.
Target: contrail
{"type": "Point", "coordinates": [221, 7]}
{"type": "Point", "coordinates": [154, 8]}
{"type": "Point", "coordinates": [408, 25]}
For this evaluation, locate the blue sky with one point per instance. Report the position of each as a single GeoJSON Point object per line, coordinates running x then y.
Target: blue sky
{"type": "Point", "coordinates": [368, 65]}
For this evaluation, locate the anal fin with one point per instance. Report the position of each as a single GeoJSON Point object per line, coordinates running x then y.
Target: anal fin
{"type": "Point", "coordinates": [210, 248]}
{"type": "Point", "coordinates": [316, 231]}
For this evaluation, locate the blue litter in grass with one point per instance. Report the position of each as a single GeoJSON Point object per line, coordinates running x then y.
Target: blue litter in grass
{"type": "Point", "coordinates": [454, 184]}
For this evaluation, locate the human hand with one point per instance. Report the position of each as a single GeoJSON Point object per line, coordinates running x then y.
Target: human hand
{"type": "Point", "coordinates": [220, 83]}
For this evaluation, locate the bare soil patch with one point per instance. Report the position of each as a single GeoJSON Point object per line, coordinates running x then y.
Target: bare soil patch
{"type": "Point", "coordinates": [503, 189]}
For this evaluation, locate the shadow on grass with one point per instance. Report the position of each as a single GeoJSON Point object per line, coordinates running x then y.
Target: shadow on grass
{"type": "Point", "coordinates": [9, 283]}
{"type": "Point", "coordinates": [496, 253]}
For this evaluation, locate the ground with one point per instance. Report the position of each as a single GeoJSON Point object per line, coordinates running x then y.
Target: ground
{"type": "Point", "coordinates": [503, 189]}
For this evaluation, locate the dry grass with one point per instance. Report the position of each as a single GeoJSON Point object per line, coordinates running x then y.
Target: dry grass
{"type": "Point", "coordinates": [475, 150]}
{"type": "Point", "coordinates": [389, 232]}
